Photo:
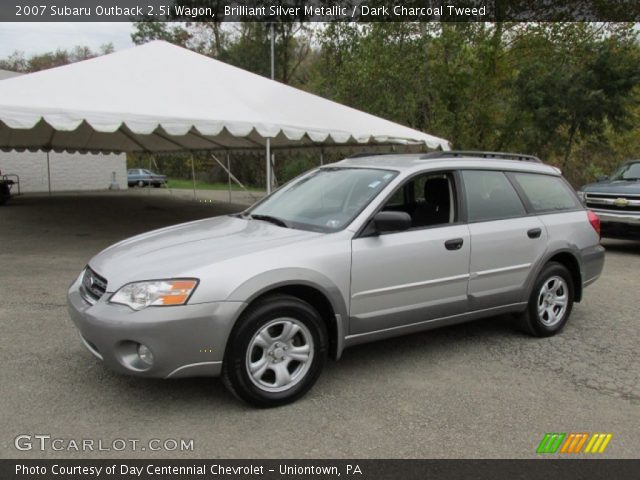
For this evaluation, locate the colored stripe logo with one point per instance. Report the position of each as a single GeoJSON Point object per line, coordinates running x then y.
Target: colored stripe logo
{"type": "Point", "coordinates": [598, 443]}
{"type": "Point", "coordinates": [574, 443]}
{"type": "Point", "coordinates": [550, 442]}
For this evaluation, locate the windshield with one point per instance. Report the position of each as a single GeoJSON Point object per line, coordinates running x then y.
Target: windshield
{"type": "Point", "coordinates": [629, 171]}
{"type": "Point", "coordinates": [324, 200]}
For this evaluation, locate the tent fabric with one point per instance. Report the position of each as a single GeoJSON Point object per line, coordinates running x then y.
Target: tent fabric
{"type": "Point", "coordinates": [161, 98]}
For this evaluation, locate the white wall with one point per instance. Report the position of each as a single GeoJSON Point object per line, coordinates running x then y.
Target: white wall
{"type": "Point", "coordinates": [68, 171]}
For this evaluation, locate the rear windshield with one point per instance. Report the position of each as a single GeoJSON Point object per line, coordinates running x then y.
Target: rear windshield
{"type": "Point", "coordinates": [546, 193]}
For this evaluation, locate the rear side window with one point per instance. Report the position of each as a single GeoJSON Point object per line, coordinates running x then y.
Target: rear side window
{"type": "Point", "coordinates": [490, 196]}
{"type": "Point", "coordinates": [545, 193]}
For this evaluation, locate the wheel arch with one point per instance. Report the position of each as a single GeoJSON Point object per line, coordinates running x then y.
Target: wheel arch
{"type": "Point", "coordinates": [569, 259]}
{"type": "Point", "coordinates": [310, 287]}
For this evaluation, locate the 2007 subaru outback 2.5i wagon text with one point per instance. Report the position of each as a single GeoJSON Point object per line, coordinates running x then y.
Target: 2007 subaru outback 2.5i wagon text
{"type": "Point", "coordinates": [356, 251]}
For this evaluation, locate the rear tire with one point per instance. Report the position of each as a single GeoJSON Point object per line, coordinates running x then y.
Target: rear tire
{"type": "Point", "coordinates": [550, 303]}
{"type": "Point", "coordinates": [276, 352]}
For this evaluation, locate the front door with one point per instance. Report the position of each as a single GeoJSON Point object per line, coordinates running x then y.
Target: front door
{"type": "Point", "coordinates": [417, 275]}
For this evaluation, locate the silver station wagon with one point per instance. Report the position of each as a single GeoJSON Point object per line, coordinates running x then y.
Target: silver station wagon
{"type": "Point", "coordinates": [360, 250]}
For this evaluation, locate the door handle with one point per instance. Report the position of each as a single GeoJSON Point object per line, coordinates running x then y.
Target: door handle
{"type": "Point", "coordinates": [454, 244]}
{"type": "Point", "coordinates": [534, 233]}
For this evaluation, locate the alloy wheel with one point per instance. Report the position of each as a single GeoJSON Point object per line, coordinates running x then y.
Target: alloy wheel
{"type": "Point", "coordinates": [553, 299]}
{"type": "Point", "coordinates": [279, 354]}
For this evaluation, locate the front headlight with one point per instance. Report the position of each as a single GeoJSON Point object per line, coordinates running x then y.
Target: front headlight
{"type": "Point", "coordinates": [156, 293]}
{"type": "Point", "coordinates": [581, 195]}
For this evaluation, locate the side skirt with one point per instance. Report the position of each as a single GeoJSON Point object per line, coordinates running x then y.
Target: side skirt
{"type": "Point", "coordinates": [359, 338]}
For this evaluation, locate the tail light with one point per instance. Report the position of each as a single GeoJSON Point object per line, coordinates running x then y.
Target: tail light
{"type": "Point", "coordinates": [594, 220]}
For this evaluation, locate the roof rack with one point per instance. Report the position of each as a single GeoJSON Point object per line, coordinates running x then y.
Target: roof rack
{"type": "Point", "coordinates": [471, 153]}
{"type": "Point", "coordinates": [370, 154]}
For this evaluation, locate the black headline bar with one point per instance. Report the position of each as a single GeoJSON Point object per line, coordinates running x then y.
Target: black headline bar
{"type": "Point", "coordinates": [319, 10]}
{"type": "Point", "coordinates": [564, 469]}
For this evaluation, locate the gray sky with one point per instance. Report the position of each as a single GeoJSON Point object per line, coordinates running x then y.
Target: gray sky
{"type": "Point", "coordinates": [40, 37]}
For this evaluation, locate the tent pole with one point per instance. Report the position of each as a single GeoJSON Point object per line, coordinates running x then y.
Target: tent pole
{"type": "Point", "coordinates": [149, 184]}
{"type": "Point", "coordinates": [233, 177]}
{"type": "Point", "coordinates": [193, 177]}
{"type": "Point", "coordinates": [48, 172]}
{"type": "Point", "coordinates": [273, 74]}
{"type": "Point", "coordinates": [273, 50]}
{"type": "Point", "coordinates": [229, 175]}
{"type": "Point", "coordinates": [274, 179]}
{"type": "Point", "coordinates": [268, 159]}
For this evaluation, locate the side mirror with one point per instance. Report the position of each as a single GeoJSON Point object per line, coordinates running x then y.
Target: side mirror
{"type": "Point", "coordinates": [391, 222]}
{"type": "Point", "coordinates": [602, 178]}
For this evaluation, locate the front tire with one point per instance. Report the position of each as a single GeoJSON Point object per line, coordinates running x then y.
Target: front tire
{"type": "Point", "coordinates": [550, 303]}
{"type": "Point", "coordinates": [276, 352]}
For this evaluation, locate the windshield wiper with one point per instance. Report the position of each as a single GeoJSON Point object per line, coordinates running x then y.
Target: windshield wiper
{"type": "Point", "coordinates": [270, 219]}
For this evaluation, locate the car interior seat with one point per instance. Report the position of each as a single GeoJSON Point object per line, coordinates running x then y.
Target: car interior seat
{"type": "Point", "coordinates": [436, 207]}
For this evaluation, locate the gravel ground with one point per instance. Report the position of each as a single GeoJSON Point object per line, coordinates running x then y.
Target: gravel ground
{"type": "Point", "coordinates": [478, 390]}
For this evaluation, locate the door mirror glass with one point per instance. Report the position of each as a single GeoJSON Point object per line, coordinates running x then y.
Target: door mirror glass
{"type": "Point", "coordinates": [603, 178]}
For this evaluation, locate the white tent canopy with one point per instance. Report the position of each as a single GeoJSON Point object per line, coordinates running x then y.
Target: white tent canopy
{"type": "Point", "coordinates": [161, 98]}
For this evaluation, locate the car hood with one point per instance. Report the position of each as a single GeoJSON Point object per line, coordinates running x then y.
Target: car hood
{"type": "Point", "coordinates": [613, 186]}
{"type": "Point", "coordinates": [179, 250]}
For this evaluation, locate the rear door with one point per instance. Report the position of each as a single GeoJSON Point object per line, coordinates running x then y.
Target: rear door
{"type": "Point", "coordinates": [505, 240]}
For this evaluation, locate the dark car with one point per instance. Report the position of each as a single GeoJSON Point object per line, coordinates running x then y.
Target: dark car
{"type": "Point", "coordinates": [616, 200]}
{"type": "Point", "coordinates": [143, 177]}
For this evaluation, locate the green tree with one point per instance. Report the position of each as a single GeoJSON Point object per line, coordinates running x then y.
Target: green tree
{"type": "Point", "coordinates": [18, 62]}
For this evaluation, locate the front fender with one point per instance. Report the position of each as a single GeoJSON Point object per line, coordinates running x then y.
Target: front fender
{"type": "Point", "coordinates": [265, 282]}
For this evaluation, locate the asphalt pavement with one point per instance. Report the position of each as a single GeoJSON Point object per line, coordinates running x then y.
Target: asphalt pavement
{"type": "Point", "coordinates": [478, 390]}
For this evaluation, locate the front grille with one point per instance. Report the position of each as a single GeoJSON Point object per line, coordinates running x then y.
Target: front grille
{"type": "Point", "coordinates": [614, 208]}
{"type": "Point", "coordinates": [612, 202]}
{"type": "Point", "coordinates": [93, 285]}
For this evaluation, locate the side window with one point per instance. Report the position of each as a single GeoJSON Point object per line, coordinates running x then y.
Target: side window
{"type": "Point", "coordinates": [546, 193]}
{"type": "Point", "coordinates": [490, 196]}
{"type": "Point", "coordinates": [428, 198]}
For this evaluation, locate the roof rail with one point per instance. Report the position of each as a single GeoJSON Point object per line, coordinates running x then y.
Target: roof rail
{"type": "Point", "coordinates": [471, 153]}
{"type": "Point", "coordinates": [370, 154]}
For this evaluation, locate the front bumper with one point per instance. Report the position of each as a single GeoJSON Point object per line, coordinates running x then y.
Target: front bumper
{"type": "Point", "coordinates": [611, 217]}
{"type": "Point", "coordinates": [186, 341]}
{"type": "Point", "coordinates": [618, 224]}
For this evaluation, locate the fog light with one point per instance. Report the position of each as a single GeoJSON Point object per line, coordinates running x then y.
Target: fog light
{"type": "Point", "coordinates": [145, 354]}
